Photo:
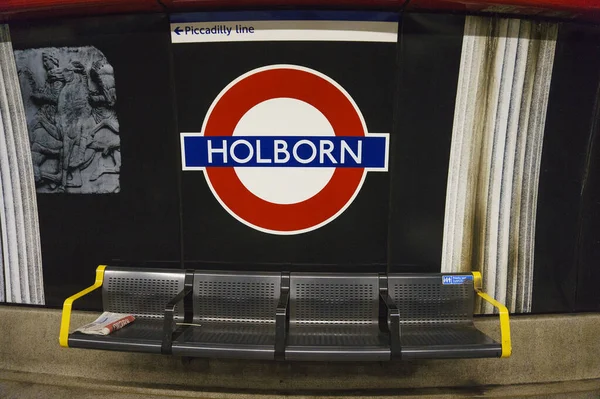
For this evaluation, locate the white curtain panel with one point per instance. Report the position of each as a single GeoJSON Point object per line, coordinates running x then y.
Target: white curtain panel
{"type": "Point", "coordinates": [499, 118]}
{"type": "Point", "coordinates": [21, 260]}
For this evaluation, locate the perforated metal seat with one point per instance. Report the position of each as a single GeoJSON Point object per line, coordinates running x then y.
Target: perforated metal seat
{"type": "Point", "coordinates": [143, 293]}
{"type": "Point", "coordinates": [234, 316]}
{"type": "Point", "coordinates": [302, 316]}
{"type": "Point", "coordinates": [335, 317]}
{"type": "Point", "coordinates": [437, 319]}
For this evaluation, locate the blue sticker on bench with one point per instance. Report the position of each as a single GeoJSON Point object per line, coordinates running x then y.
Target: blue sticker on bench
{"type": "Point", "coordinates": [456, 279]}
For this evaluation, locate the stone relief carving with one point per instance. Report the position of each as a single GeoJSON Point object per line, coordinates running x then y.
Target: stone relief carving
{"type": "Point", "coordinates": [70, 96]}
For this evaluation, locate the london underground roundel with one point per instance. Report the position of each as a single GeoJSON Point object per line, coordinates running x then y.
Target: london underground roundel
{"type": "Point", "coordinates": [284, 149]}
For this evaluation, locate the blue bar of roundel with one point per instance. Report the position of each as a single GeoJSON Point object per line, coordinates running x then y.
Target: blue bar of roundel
{"type": "Point", "coordinates": [285, 15]}
{"type": "Point", "coordinates": [373, 151]}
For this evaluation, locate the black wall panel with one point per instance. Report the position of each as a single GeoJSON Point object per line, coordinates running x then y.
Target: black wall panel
{"type": "Point", "coordinates": [588, 251]}
{"type": "Point", "coordinates": [141, 222]}
{"type": "Point", "coordinates": [355, 240]}
{"type": "Point", "coordinates": [588, 237]}
{"type": "Point", "coordinates": [565, 238]}
{"type": "Point", "coordinates": [429, 59]}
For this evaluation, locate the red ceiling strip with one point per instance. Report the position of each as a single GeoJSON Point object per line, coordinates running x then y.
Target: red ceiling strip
{"type": "Point", "coordinates": [26, 9]}
{"type": "Point", "coordinates": [178, 4]}
{"type": "Point", "coordinates": [564, 9]}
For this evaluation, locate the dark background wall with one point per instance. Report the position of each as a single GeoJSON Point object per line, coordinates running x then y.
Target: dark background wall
{"type": "Point", "coordinates": [429, 52]}
{"type": "Point", "coordinates": [567, 262]}
{"type": "Point", "coordinates": [356, 240]}
{"type": "Point", "coordinates": [395, 223]}
{"type": "Point", "coordinates": [141, 223]}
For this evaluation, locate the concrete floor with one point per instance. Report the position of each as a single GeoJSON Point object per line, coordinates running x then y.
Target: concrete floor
{"type": "Point", "coordinates": [546, 349]}
{"type": "Point", "coordinates": [554, 356]}
{"type": "Point", "coordinates": [14, 385]}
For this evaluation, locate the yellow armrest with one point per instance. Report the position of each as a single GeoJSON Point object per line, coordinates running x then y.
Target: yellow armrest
{"type": "Point", "coordinates": [502, 310]}
{"type": "Point", "coordinates": [66, 314]}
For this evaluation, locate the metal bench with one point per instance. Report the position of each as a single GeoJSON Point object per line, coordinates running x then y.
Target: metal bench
{"type": "Point", "coordinates": [335, 317]}
{"type": "Point", "coordinates": [141, 292]}
{"type": "Point", "coordinates": [297, 316]}
{"type": "Point", "coordinates": [233, 316]}
{"type": "Point", "coordinates": [436, 316]}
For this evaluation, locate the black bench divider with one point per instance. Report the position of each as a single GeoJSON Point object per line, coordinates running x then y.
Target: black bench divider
{"type": "Point", "coordinates": [186, 296]}
{"type": "Point", "coordinates": [391, 318]}
{"type": "Point", "coordinates": [282, 317]}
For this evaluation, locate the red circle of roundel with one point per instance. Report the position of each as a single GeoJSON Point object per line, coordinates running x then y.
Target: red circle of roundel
{"type": "Point", "coordinates": [304, 85]}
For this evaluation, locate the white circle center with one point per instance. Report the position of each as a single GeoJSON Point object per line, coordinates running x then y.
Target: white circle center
{"type": "Point", "coordinates": [284, 117]}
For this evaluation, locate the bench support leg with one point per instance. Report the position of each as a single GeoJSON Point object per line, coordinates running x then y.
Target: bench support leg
{"type": "Point", "coordinates": [392, 318]}
{"type": "Point", "coordinates": [186, 296]}
{"type": "Point", "coordinates": [282, 317]}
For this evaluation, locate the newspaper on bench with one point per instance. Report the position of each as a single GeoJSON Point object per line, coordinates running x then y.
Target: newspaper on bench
{"type": "Point", "coordinates": [107, 323]}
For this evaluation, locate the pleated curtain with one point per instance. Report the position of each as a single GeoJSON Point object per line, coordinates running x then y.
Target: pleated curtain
{"type": "Point", "coordinates": [21, 279]}
{"type": "Point", "coordinates": [498, 131]}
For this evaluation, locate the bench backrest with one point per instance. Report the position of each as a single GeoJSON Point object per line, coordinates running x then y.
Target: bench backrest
{"type": "Point", "coordinates": [330, 298]}
{"type": "Point", "coordinates": [236, 297]}
{"type": "Point", "coordinates": [425, 299]}
{"type": "Point", "coordinates": [143, 291]}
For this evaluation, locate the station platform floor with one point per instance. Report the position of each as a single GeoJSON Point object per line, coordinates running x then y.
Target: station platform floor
{"type": "Point", "coordinates": [554, 356]}
{"type": "Point", "coordinates": [17, 385]}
